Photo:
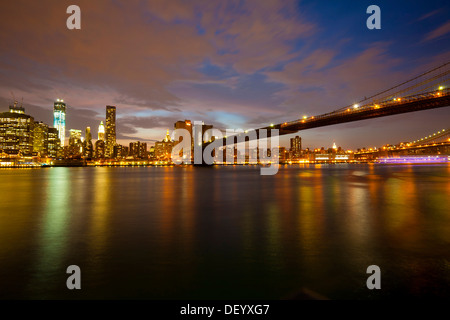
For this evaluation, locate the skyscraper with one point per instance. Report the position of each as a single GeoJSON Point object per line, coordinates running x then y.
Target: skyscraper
{"type": "Point", "coordinates": [88, 135]}
{"type": "Point", "coordinates": [99, 149]}
{"type": "Point", "coordinates": [296, 146]}
{"type": "Point", "coordinates": [186, 124]}
{"type": "Point", "coordinates": [59, 119]}
{"type": "Point", "coordinates": [101, 131]}
{"type": "Point", "coordinates": [88, 148]}
{"type": "Point", "coordinates": [16, 131]}
{"type": "Point", "coordinates": [75, 147]}
{"type": "Point", "coordinates": [40, 138]}
{"type": "Point", "coordinates": [167, 138]}
{"type": "Point", "coordinates": [110, 130]}
{"type": "Point", "coordinates": [75, 137]}
{"type": "Point", "coordinates": [53, 142]}
{"type": "Point", "coordinates": [138, 150]}
{"type": "Point", "coordinates": [200, 136]}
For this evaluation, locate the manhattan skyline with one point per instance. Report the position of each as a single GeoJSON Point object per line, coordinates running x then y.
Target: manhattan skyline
{"type": "Point", "coordinates": [218, 62]}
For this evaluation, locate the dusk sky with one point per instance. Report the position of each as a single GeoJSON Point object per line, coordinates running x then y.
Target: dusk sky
{"type": "Point", "coordinates": [233, 64]}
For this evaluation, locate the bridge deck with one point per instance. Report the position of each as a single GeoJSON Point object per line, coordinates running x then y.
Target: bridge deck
{"type": "Point", "coordinates": [424, 101]}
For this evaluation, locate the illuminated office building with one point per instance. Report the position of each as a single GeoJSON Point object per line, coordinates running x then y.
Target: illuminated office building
{"type": "Point", "coordinates": [101, 131]}
{"type": "Point", "coordinates": [99, 149]}
{"type": "Point", "coordinates": [186, 124]}
{"type": "Point", "coordinates": [138, 150]}
{"type": "Point", "coordinates": [167, 138]}
{"type": "Point", "coordinates": [75, 147]}
{"type": "Point", "coordinates": [163, 149]}
{"type": "Point", "coordinates": [110, 132]}
{"type": "Point", "coordinates": [296, 146]}
{"type": "Point", "coordinates": [59, 119]}
{"type": "Point", "coordinates": [199, 130]}
{"type": "Point", "coordinates": [40, 138]}
{"type": "Point", "coordinates": [120, 152]}
{"type": "Point", "coordinates": [17, 109]}
{"type": "Point", "coordinates": [88, 148]}
{"type": "Point", "coordinates": [75, 137]}
{"type": "Point", "coordinates": [200, 135]}
{"type": "Point", "coordinates": [16, 130]}
{"type": "Point", "coordinates": [88, 135]}
{"type": "Point", "coordinates": [53, 142]}
{"type": "Point", "coordinates": [151, 152]}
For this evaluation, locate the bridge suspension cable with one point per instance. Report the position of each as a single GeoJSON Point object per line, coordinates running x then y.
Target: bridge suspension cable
{"type": "Point", "coordinates": [430, 89]}
{"type": "Point", "coordinates": [436, 80]}
{"type": "Point", "coordinates": [429, 84]}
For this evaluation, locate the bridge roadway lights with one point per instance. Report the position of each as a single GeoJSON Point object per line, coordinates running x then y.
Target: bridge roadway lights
{"type": "Point", "coordinates": [404, 107]}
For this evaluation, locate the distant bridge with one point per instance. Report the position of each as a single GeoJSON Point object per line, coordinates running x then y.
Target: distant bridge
{"type": "Point", "coordinates": [437, 143]}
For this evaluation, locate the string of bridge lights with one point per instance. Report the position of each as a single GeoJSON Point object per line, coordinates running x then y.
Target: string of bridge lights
{"type": "Point", "coordinates": [430, 136]}
{"type": "Point", "coordinates": [357, 106]}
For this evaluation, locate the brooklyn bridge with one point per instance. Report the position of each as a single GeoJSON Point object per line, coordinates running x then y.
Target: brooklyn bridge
{"type": "Point", "coordinates": [428, 90]}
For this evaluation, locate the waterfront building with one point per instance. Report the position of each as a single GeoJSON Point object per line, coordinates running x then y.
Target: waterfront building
{"type": "Point", "coordinates": [163, 149]}
{"type": "Point", "coordinates": [138, 150]}
{"type": "Point", "coordinates": [120, 151]}
{"type": "Point", "coordinates": [75, 144]}
{"type": "Point", "coordinates": [99, 149]}
{"type": "Point", "coordinates": [196, 132]}
{"type": "Point", "coordinates": [88, 148]}
{"type": "Point", "coordinates": [40, 138]}
{"type": "Point", "coordinates": [331, 157]}
{"type": "Point", "coordinates": [75, 137]}
{"type": "Point", "coordinates": [198, 135]}
{"type": "Point", "coordinates": [53, 142]}
{"type": "Point", "coordinates": [59, 119]}
{"type": "Point", "coordinates": [187, 125]}
{"type": "Point", "coordinates": [87, 134]}
{"type": "Point", "coordinates": [296, 146]}
{"type": "Point", "coordinates": [110, 132]}
{"type": "Point", "coordinates": [16, 131]}
{"type": "Point", "coordinates": [151, 152]}
{"type": "Point", "coordinates": [282, 154]}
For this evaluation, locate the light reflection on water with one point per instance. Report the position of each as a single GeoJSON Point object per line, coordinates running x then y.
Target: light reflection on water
{"type": "Point", "coordinates": [225, 232]}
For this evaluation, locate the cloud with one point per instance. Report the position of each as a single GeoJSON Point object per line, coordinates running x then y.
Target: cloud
{"type": "Point", "coordinates": [134, 52]}
{"type": "Point", "coordinates": [428, 15]}
{"type": "Point", "coordinates": [228, 63]}
{"type": "Point", "coordinates": [118, 49]}
{"type": "Point", "coordinates": [315, 85]}
{"type": "Point", "coordinates": [253, 36]}
{"type": "Point", "coordinates": [439, 32]}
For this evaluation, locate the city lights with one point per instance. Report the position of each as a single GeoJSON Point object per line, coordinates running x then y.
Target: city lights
{"type": "Point", "coordinates": [48, 145]}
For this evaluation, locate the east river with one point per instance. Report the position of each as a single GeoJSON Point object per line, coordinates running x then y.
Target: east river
{"type": "Point", "coordinates": [225, 232]}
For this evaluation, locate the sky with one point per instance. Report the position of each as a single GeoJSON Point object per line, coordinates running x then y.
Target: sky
{"type": "Point", "coordinates": [233, 64]}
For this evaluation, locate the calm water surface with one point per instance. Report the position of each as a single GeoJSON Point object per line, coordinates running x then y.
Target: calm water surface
{"type": "Point", "coordinates": [225, 232]}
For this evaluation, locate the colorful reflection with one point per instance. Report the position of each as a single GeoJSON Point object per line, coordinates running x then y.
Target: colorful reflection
{"type": "Point", "coordinates": [226, 232]}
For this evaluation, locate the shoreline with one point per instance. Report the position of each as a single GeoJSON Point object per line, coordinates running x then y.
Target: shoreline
{"type": "Point", "coordinates": [41, 166]}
